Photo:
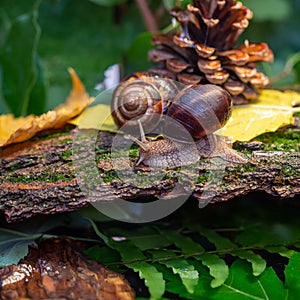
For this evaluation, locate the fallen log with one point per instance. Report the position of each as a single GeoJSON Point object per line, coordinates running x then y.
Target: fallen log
{"type": "Point", "coordinates": [39, 176]}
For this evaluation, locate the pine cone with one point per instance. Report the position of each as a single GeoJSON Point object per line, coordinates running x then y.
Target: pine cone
{"type": "Point", "coordinates": [203, 51]}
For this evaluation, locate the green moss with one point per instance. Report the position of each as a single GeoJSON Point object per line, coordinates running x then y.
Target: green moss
{"type": "Point", "coordinates": [121, 154]}
{"type": "Point", "coordinates": [43, 177]}
{"type": "Point", "coordinates": [50, 134]}
{"type": "Point", "coordinates": [225, 186]}
{"type": "Point", "coordinates": [240, 148]}
{"type": "Point", "coordinates": [281, 140]}
{"type": "Point", "coordinates": [43, 137]}
{"type": "Point", "coordinates": [66, 141]}
{"type": "Point", "coordinates": [245, 168]}
{"type": "Point", "coordinates": [56, 135]}
{"type": "Point", "coordinates": [66, 154]}
{"type": "Point", "coordinates": [103, 156]}
{"type": "Point", "coordinates": [18, 165]}
{"type": "Point", "coordinates": [134, 152]}
{"type": "Point", "coordinates": [168, 176]}
{"type": "Point", "coordinates": [109, 176]}
{"type": "Point", "coordinates": [172, 174]}
{"type": "Point", "coordinates": [288, 171]}
{"type": "Point", "coordinates": [15, 167]}
{"type": "Point", "coordinates": [204, 177]}
{"type": "Point", "coordinates": [99, 148]}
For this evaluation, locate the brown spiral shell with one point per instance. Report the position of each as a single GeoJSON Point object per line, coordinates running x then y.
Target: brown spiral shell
{"type": "Point", "coordinates": [143, 98]}
{"type": "Point", "coordinates": [200, 110]}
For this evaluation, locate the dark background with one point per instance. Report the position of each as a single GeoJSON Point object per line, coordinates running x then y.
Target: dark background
{"type": "Point", "coordinates": [92, 35]}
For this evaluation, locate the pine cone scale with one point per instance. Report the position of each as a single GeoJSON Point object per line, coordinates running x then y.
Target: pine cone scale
{"type": "Point", "coordinates": [218, 77]}
{"type": "Point", "coordinates": [235, 57]}
{"type": "Point", "coordinates": [234, 87]}
{"type": "Point", "coordinates": [176, 65]}
{"type": "Point", "coordinates": [209, 67]}
{"type": "Point", "coordinates": [157, 55]}
{"type": "Point", "coordinates": [204, 51]}
{"type": "Point", "coordinates": [189, 79]}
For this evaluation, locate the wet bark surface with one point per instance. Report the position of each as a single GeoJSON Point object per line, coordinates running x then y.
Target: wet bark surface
{"type": "Point", "coordinates": [58, 269]}
{"type": "Point", "coordinates": [40, 176]}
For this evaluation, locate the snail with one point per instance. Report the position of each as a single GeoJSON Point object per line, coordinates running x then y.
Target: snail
{"type": "Point", "coordinates": [144, 98]}
{"type": "Point", "coordinates": [188, 117]}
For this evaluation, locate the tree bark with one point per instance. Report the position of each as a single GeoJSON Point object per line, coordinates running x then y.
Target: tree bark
{"type": "Point", "coordinates": [58, 269]}
{"type": "Point", "coordinates": [40, 177]}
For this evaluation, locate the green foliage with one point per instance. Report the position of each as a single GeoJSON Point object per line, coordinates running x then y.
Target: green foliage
{"type": "Point", "coordinates": [15, 239]}
{"type": "Point", "coordinates": [48, 38]}
{"type": "Point", "coordinates": [229, 251]}
{"type": "Point", "coordinates": [91, 35]}
{"type": "Point", "coordinates": [262, 11]}
{"type": "Point", "coordinates": [169, 4]}
{"type": "Point", "coordinates": [292, 273]}
{"type": "Point", "coordinates": [239, 285]}
{"type": "Point", "coordinates": [136, 57]}
{"type": "Point", "coordinates": [180, 266]}
{"type": "Point", "coordinates": [86, 36]}
{"type": "Point", "coordinates": [137, 261]}
{"type": "Point", "coordinates": [22, 79]}
{"type": "Point", "coordinates": [153, 278]}
{"type": "Point", "coordinates": [14, 245]}
{"type": "Point", "coordinates": [107, 2]}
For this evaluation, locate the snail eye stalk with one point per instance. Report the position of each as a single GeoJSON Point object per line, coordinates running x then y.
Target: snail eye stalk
{"type": "Point", "coordinates": [143, 138]}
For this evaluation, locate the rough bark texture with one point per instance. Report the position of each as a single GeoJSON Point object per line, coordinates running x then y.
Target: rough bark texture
{"type": "Point", "coordinates": [38, 176]}
{"type": "Point", "coordinates": [59, 270]}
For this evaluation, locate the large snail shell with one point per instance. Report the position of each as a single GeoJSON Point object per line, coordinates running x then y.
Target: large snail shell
{"type": "Point", "coordinates": [198, 110]}
{"type": "Point", "coordinates": [143, 98]}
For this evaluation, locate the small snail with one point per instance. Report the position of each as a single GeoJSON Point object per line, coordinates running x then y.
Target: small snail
{"type": "Point", "coordinates": [187, 115]}
{"type": "Point", "coordinates": [143, 98]}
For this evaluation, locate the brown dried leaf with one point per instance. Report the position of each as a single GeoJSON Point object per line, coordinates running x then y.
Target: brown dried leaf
{"type": "Point", "coordinates": [14, 130]}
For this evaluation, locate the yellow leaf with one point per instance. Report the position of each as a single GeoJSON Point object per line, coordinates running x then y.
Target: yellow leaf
{"type": "Point", "coordinates": [96, 117]}
{"type": "Point", "coordinates": [273, 109]}
{"type": "Point", "coordinates": [13, 130]}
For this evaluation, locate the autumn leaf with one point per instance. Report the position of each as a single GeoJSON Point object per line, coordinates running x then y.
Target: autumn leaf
{"type": "Point", "coordinates": [272, 109]}
{"type": "Point", "coordinates": [96, 117]}
{"type": "Point", "coordinates": [13, 130]}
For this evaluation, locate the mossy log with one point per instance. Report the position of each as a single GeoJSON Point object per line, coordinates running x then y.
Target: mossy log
{"type": "Point", "coordinates": [37, 176]}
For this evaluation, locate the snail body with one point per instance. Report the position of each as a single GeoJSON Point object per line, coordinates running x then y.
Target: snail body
{"type": "Point", "coordinates": [187, 115]}
{"type": "Point", "coordinates": [168, 153]}
{"type": "Point", "coordinates": [171, 153]}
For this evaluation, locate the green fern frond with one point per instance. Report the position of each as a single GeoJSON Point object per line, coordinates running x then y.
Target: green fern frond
{"type": "Point", "coordinates": [194, 258]}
